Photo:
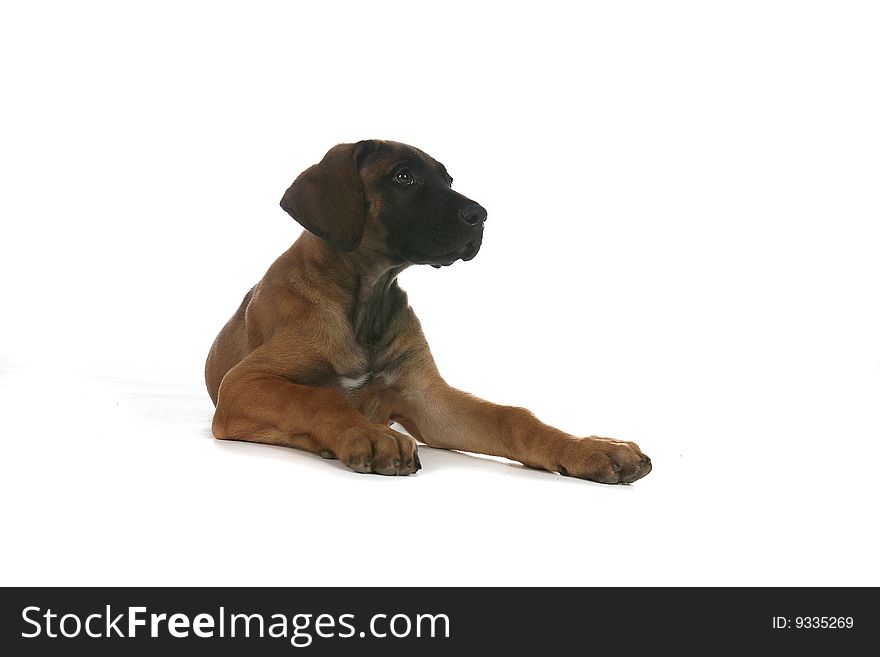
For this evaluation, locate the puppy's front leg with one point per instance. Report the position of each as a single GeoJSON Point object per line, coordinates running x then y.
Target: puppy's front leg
{"type": "Point", "coordinates": [258, 406]}
{"type": "Point", "coordinates": [444, 417]}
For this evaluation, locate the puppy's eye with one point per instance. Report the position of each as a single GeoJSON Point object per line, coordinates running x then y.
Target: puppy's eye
{"type": "Point", "coordinates": [404, 177]}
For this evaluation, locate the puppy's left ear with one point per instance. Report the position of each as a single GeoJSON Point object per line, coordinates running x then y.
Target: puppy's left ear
{"type": "Point", "coordinates": [328, 197]}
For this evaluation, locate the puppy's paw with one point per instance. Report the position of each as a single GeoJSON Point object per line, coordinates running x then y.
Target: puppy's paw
{"type": "Point", "coordinates": [604, 460]}
{"type": "Point", "coordinates": [378, 449]}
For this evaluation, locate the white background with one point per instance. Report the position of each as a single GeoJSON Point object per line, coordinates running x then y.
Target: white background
{"type": "Point", "coordinates": [681, 250]}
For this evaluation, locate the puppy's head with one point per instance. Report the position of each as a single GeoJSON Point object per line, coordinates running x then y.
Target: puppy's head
{"type": "Point", "coordinates": [389, 196]}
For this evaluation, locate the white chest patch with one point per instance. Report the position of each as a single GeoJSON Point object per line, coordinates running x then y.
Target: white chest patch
{"type": "Point", "coordinates": [349, 384]}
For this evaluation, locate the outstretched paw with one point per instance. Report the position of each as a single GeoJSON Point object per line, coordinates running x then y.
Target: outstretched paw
{"type": "Point", "coordinates": [604, 460]}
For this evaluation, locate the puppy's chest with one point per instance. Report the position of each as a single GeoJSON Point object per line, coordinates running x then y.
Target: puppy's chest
{"type": "Point", "coordinates": [369, 372]}
{"type": "Point", "coordinates": [373, 345]}
{"type": "Point", "coordinates": [352, 384]}
{"type": "Point", "coordinates": [369, 365]}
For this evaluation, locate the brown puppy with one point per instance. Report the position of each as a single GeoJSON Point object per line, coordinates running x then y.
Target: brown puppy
{"type": "Point", "coordinates": [324, 352]}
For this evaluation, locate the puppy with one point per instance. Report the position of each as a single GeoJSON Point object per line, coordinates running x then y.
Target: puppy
{"type": "Point", "coordinates": [324, 353]}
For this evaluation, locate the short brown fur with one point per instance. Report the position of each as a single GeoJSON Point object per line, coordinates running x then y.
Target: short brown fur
{"type": "Point", "coordinates": [324, 353]}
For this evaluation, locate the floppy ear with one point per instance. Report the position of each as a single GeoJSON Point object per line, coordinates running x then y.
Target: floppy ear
{"type": "Point", "coordinates": [328, 198]}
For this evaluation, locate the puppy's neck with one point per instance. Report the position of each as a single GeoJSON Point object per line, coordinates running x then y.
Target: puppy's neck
{"type": "Point", "coordinates": [366, 279]}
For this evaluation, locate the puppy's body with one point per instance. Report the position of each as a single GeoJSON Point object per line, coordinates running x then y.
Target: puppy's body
{"type": "Point", "coordinates": [341, 327]}
{"type": "Point", "coordinates": [324, 352]}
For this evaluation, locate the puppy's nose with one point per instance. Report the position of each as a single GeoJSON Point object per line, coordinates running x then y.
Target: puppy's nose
{"type": "Point", "coordinates": [474, 214]}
